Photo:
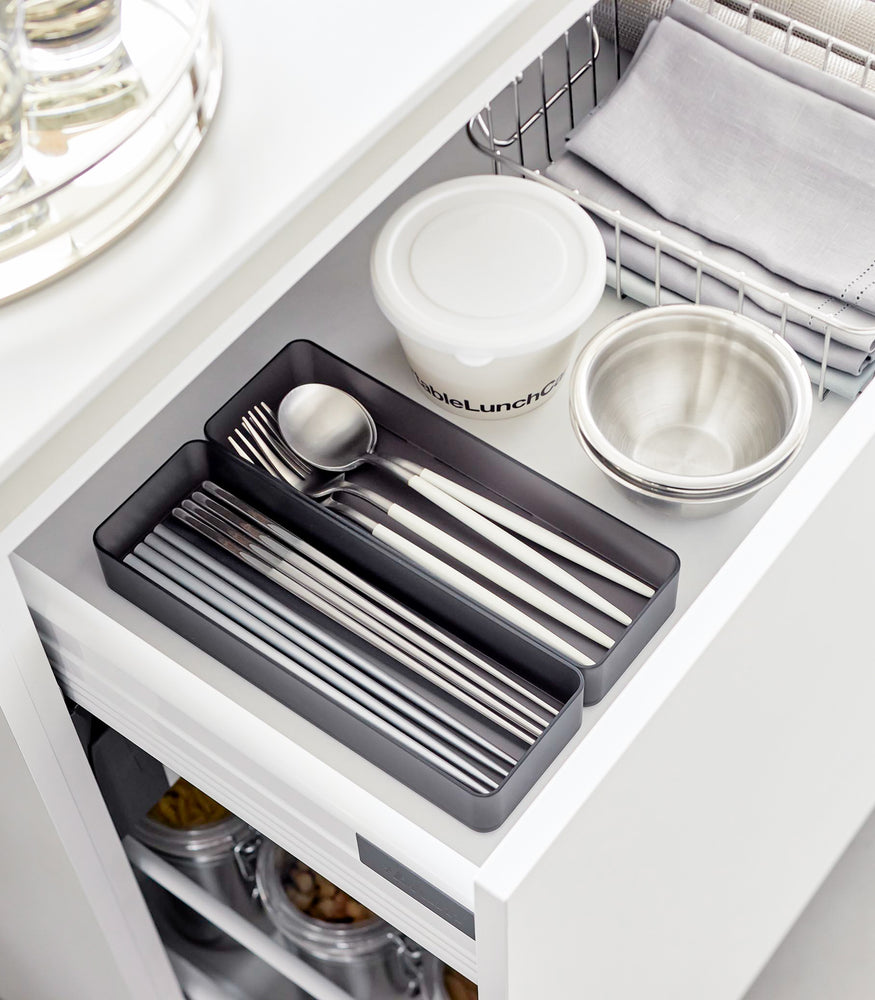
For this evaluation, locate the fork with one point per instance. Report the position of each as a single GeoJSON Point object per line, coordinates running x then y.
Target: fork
{"type": "Point", "coordinates": [273, 453]}
{"type": "Point", "coordinates": [258, 439]}
{"type": "Point", "coordinates": [274, 457]}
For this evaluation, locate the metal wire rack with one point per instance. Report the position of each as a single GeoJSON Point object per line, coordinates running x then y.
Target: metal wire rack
{"type": "Point", "coordinates": [522, 144]}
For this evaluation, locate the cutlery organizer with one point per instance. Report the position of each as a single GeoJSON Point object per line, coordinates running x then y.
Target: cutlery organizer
{"type": "Point", "coordinates": [196, 461]}
{"type": "Point", "coordinates": [407, 430]}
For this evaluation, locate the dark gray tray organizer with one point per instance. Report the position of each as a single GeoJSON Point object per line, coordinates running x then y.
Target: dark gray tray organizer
{"type": "Point", "coordinates": [409, 430]}
{"type": "Point", "coordinates": [533, 663]}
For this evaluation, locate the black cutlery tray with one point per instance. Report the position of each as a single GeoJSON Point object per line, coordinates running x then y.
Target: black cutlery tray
{"type": "Point", "coordinates": [196, 461]}
{"type": "Point", "coordinates": [407, 429]}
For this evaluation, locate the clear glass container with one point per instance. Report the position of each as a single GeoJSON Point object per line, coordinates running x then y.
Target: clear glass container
{"type": "Point", "coordinates": [117, 96]}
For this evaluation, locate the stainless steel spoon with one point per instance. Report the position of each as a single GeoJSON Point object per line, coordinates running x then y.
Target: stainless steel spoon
{"type": "Point", "coordinates": [331, 430]}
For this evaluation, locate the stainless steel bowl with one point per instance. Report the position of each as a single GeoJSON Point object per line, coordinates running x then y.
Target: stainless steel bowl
{"type": "Point", "coordinates": [690, 405]}
{"type": "Point", "coordinates": [669, 492]}
{"type": "Point", "coordinates": [704, 505]}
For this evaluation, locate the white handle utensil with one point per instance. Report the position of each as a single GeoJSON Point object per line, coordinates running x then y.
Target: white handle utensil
{"type": "Point", "coordinates": [528, 529]}
{"type": "Point", "coordinates": [470, 588]}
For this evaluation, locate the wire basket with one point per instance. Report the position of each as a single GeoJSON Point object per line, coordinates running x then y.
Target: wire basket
{"type": "Point", "coordinates": [569, 79]}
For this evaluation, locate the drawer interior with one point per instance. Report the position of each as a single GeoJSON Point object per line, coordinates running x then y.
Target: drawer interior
{"type": "Point", "coordinates": [333, 306]}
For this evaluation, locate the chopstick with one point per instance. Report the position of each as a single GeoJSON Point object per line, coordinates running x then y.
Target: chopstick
{"type": "Point", "coordinates": [449, 575]}
{"type": "Point", "coordinates": [251, 554]}
{"type": "Point", "coordinates": [362, 586]}
{"type": "Point", "coordinates": [215, 609]}
{"type": "Point", "coordinates": [506, 541]}
{"type": "Point", "coordinates": [487, 693]}
{"type": "Point", "coordinates": [323, 579]}
{"type": "Point", "coordinates": [547, 539]}
{"type": "Point", "coordinates": [321, 644]}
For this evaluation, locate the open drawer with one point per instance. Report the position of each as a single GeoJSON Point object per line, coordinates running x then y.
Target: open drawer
{"type": "Point", "coordinates": [679, 833]}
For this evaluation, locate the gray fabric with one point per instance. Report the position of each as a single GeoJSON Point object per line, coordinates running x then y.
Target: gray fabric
{"type": "Point", "coordinates": [851, 20]}
{"type": "Point", "coordinates": [747, 158]}
{"type": "Point", "coordinates": [679, 276]}
{"type": "Point", "coordinates": [849, 94]}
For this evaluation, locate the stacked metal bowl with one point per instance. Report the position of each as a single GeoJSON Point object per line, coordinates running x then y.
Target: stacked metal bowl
{"type": "Point", "coordinates": [690, 408]}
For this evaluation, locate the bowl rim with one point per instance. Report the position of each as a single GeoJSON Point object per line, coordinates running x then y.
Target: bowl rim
{"type": "Point", "coordinates": [671, 492]}
{"type": "Point", "coordinates": [777, 348]}
{"type": "Point", "coordinates": [726, 497]}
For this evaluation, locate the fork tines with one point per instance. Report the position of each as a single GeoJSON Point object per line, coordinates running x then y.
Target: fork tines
{"type": "Point", "coordinates": [257, 439]}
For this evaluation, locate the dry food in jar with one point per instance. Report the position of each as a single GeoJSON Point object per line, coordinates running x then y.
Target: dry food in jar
{"type": "Point", "coordinates": [318, 898]}
{"type": "Point", "coordinates": [183, 807]}
{"type": "Point", "coordinates": [458, 987]}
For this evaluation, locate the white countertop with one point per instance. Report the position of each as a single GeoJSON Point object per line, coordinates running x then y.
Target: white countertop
{"type": "Point", "coordinates": [309, 91]}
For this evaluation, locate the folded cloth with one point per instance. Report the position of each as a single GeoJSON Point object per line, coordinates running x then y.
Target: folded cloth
{"type": "Point", "coordinates": [841, 383]}
{"type": "Point", "coordinates": [679, 275]}
{"type": "Point", "coordinates": [749, 159]}
{"type": "Point", "coordinates": [851, 20]}
{"type": "Point", "coordinates": [846, 92]}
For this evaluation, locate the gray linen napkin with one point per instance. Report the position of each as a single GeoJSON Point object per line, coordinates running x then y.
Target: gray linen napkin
{"type": "Point", "coordinates": [802, 333]}
{"type": "Point", "coordinates": [851, 20]}
{"type": "Point", "coordinates": [846, 92]}
{"type": "Point", "coordinates": [749, 159]}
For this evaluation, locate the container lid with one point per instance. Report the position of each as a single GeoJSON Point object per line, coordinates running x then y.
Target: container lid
{"type": "Point", "coordinates": [488, 267]}
{"type": "Point", "coordinates": [205, 843]}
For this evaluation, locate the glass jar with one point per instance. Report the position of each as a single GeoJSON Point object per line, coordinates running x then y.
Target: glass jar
{"type": "Point", "coordinates": [365, 958]}
{"type": "Point", "coordinates": [434, 982]}
{"type": "Point", "coordinates": [220, 858]}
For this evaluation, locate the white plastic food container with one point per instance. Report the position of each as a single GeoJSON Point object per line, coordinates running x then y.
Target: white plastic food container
{"type": "Point", "coordinates": [487, 281]}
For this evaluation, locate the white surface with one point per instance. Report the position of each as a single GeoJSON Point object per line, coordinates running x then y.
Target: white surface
{"type": "Point", "coordinates": [714, 825]}
{"type": "Point", "coordinates": [302, 788]}
{"type": "Point", "coordinates": [830, 951]}
{"type": "Point", "coordinates": [309, 89]}
{"type": "Point", "coordinates": [92, 357]}
{"type": "Point", "coordinates": [68, 894]}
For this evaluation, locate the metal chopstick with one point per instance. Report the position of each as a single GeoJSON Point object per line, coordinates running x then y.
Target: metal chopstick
{"type": "Point", "coordinates": [487, 692]}
{"type": "Point", "coordinates": [294, 668]}
{"type": "Point", "coordinates": [363, 603]}
{"type": "Point", "coordinates": [245, 554]}
{"type": "Point", "coordinates": [378, 596]}
{"type": "Point", "coordinates": [351, 681]}
{"type": "Point", "coordinates": [230, 584]}
{"type": "Point", "coordinates": [312, 668]}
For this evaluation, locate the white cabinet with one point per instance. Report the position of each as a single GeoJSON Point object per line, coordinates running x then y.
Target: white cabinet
{"type": "Point", "coordinates": [677, 837]}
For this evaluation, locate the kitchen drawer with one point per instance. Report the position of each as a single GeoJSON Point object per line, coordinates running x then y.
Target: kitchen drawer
{"type": "Point", "coordinates": [679, 833]}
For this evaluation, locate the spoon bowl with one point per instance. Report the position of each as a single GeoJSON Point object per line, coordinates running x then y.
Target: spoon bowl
{"type": "Point", "coordinates": [327, 427]}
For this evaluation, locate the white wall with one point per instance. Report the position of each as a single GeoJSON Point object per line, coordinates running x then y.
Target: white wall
{"type": "Point", "coordinates": [51, 947]}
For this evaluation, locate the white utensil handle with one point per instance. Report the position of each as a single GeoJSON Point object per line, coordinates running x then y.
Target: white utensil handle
{"type": "Point", "coordinates": [502, 577]}
{"type": "Point", "coordinates": [536, 533]}
{"type": "Point", "coordinates": [520, 550]}
{"type": "Point", "coordinates": [470, 588]}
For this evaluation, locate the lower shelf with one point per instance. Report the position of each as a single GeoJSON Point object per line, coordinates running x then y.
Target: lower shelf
{"type": "Point", "coordinates": [261, 967]}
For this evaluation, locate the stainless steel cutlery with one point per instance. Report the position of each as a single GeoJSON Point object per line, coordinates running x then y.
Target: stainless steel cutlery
{"type": "Point", "coordinates": [361, 647]}
{"type": "Point", "coordinates": [476, 731]}
{"type": "Point", "coordinates": [335, 432]}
